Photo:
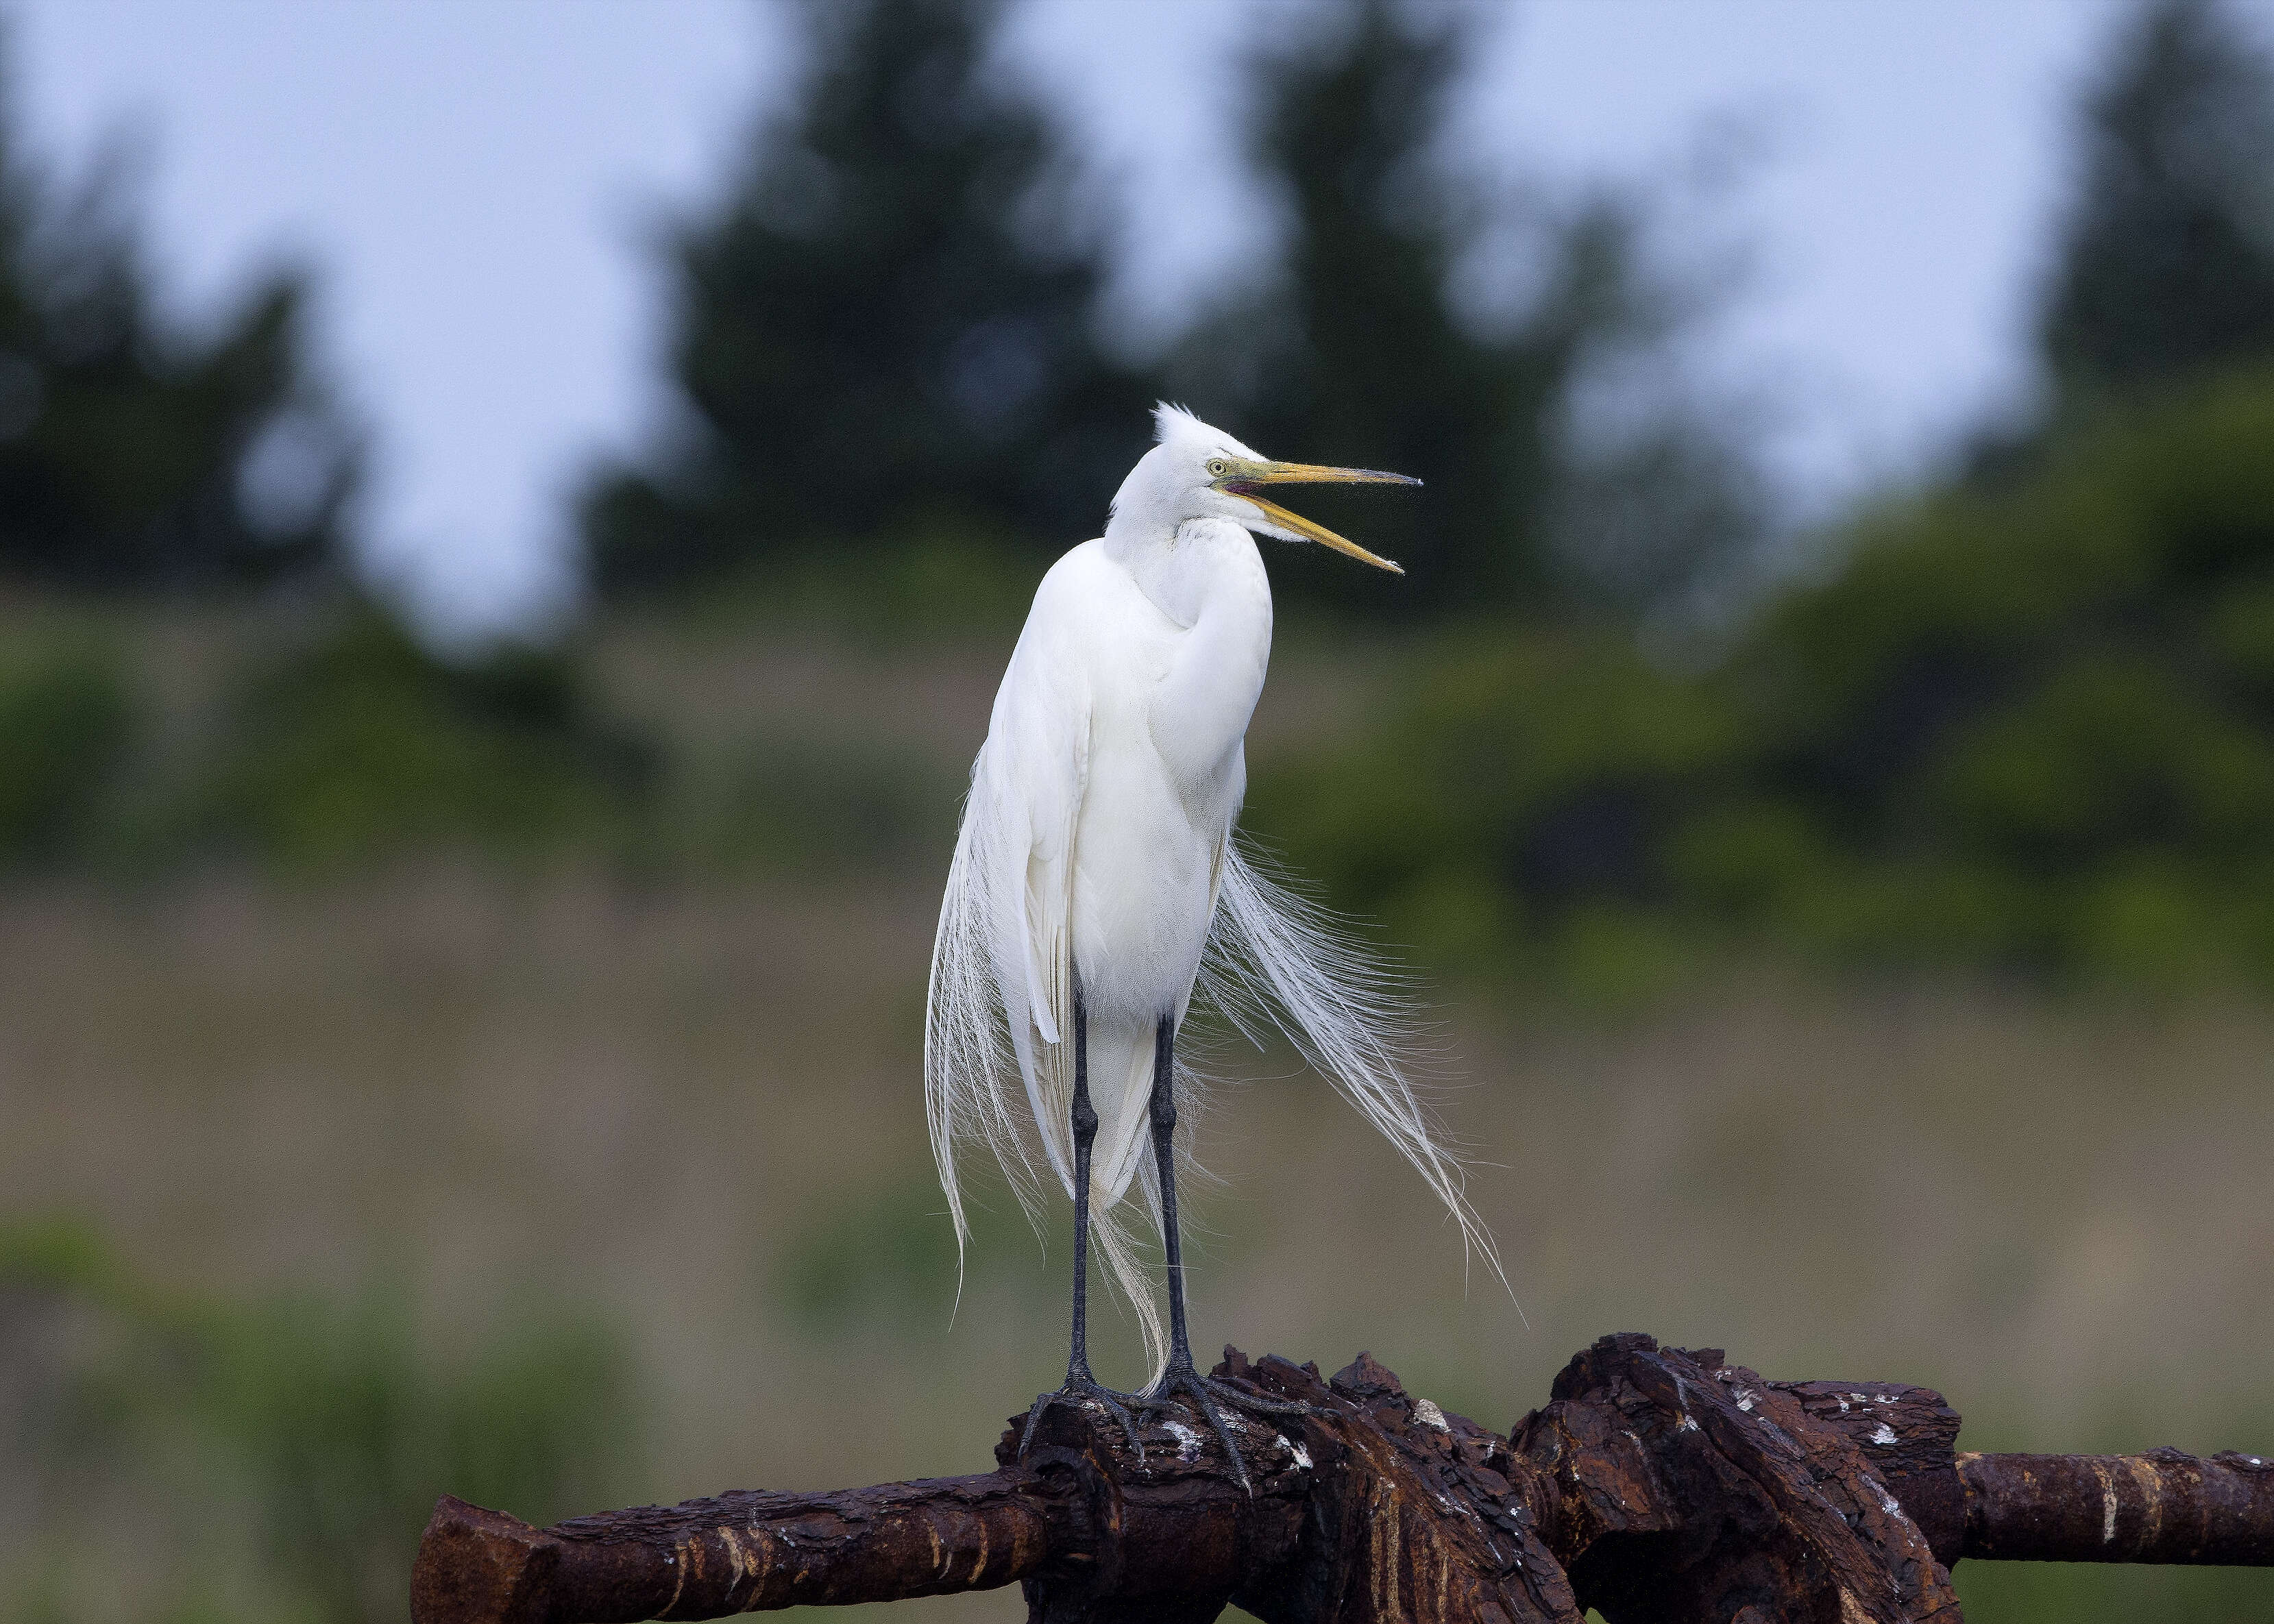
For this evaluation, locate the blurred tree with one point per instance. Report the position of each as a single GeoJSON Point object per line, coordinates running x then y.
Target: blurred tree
{"type": "Point", "coordinates": [1351, 355]}
{"type": "Point", "coordinates": [134, 453]}
{"type": "Point", "coordinates": [884, 329]}
{"type": "Point", "coordinates": [2026, 727]}
{"type": "Point", "coordinates": [65, 724]}
{"type": "Point", "coordinates": [362, 743]}
{"type": "Point", "coordinates": [1514, 806]}
{"type": "Point", "coordinates": [2167, 265]}
{"type": "Point", "coordinates": [1358, 352]}
{"type": "Point", "coordinates": [2035, 723]}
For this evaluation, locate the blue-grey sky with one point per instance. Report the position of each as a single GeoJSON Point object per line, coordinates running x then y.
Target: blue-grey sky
{"type": "Point", "coordinates": [472, 179]}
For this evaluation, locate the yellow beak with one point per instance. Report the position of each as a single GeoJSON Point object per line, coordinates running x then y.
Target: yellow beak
{"type": "Point", "coordinates": [1242, 477]}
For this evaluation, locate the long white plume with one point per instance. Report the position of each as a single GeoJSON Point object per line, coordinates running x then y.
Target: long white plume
{"type": "Point", "coordinates": [1273, 957]}
{"type": "Point", "coordinates": [1273, 960]}
{"type": "Point", "coordinates": [968, 1054]}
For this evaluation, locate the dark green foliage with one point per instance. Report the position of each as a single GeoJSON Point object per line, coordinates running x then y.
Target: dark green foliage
{"type": "Point", "coordinates": [321, 1425]}
{"type": "Point", "coordinates": [2168, 263]}
{"type": "Point", "coordinates": [2030, 729]}
{"type": "Point", "coordinates": [885, 329]}
{"type": "Point", "coordinates": [364, 743]}
{"type": "Point", "coordinates": [1516, 806]}
{"type": "Point", "coordinates": [1355, 353]}
{"type": "Point", "coordinates": [2040, 715]}
{"type": "Point", "coordinates": [65, 723]}
{"type": "Point", "coordinates": [135, 454]}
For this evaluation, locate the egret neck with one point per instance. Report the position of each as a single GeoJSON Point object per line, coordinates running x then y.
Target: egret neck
{"type": "Point", "coordinates": [1206, 576]}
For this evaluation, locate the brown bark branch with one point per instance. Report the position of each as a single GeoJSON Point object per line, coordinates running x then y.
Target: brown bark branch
{"type": "Point", "coordinates": [741, 1552]}
{"type": "Point", "coordinates": [1657, 1485]}
{"type": "Point", "coordinates": [2161, 1507]}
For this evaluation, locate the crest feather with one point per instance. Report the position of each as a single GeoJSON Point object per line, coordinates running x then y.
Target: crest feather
{"type": "Point", "coordinates": [1174, 424]}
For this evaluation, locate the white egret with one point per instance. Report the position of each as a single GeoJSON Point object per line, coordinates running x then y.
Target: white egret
{"type": "Point", "coordinates": [1096, 866]}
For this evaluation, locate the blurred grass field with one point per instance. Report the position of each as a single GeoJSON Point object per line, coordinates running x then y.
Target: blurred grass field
{"type": "Point", "coordinates": [673, 1124]}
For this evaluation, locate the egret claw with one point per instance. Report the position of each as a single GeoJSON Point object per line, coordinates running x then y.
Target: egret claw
{"type": "Point", "coordinates": [1080, 1387]}
{"type": "Point", "coordinates": [1206, 1395]}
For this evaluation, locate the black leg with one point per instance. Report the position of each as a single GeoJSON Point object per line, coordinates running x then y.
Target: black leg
{"type": "Point", "coordinates": [1182, 1376]}
{"type": "Point", "coordinates": [1079, 1381]}
{"type": "Point", "coordinates": [1164, 1162]}
{"type": "Point", "coordinates": [1085, 1136]}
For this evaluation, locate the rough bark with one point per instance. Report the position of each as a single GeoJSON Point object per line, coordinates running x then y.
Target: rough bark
{"type": "Point", "coordinates": [2161, 1507]}
{"type": "Point", "coordinates": [1686, 1488]}
{"type": "Point", "coordinates": [1657, 1485]}
{"type": "Point", "coordinates": [740, 1552]}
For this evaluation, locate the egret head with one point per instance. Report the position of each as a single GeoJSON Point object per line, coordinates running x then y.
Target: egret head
{"type": "Point", "coordinates": [1198, 472]}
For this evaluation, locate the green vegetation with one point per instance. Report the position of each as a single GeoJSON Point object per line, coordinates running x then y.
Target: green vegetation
{"type": "Point", "coordinates": [65, 723]}
{"type": "Point", "coordinates": [329, 743]}
{"type": "Point", "coordinates": [1353, 348]}
{"type": "Point", "coordinates": [2026, 727]}
{"type": "Point", "coordinates": [2030, 729]}
{"type": "Point", "coordinates": [2037, 725]}
{"type": "Point", "coordinates": [363, 744]}
{"type": "Point", "coordinates": [2022, 723]}
{"type": "Point", "coordinates": [2168, 269]}
{"type": "Point", "coordinates": [274, 1457]}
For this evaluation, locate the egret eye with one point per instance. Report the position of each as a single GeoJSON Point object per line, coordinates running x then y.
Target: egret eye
{"type": "Point", "coordinates": [1217, 467]}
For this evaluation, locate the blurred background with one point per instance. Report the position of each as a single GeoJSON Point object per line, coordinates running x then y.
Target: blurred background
{"type": "Point", "coordinates": [509, 522]}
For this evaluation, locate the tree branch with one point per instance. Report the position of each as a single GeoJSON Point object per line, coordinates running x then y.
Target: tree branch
{"type": "Point", "coordinates": [2161, 1507]}
{"type": "Point", "coordinates": [1657, 1485]}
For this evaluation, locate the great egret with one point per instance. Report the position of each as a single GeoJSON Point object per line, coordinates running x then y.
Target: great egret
{"type": "Point", "coordinates": [1095, 869]}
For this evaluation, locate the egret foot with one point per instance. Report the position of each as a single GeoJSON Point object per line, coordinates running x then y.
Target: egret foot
{"type": "Point", "coordinates": [1082, 1388]}
{"type": "Point", "coordinates": [1183, 1378]}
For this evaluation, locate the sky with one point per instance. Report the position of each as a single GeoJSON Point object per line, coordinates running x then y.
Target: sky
{"type": "Point", "coordinates": [479, 184]}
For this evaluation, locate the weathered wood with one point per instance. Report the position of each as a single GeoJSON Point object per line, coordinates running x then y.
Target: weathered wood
{"type": "Point", "coordinates": [474, 1564]}
{"type": "Point", "coordinates": [740, 1552]}
{"type": "Point", "coordinates": [1371, 1504]}
{"type": "Point", "coordinates": [1657, 1485]}
{"type": "Point", "coordinates": [2161, 1507]}
{"type": "Point", "coordinates": [1412, 1512]}
{"type": "Point", "coordinates": [1168, 1536]}
{"type": "Point", "coordinates": [1687, 1488]}
{"type": "Point", "coordinates": [1910, 1437]}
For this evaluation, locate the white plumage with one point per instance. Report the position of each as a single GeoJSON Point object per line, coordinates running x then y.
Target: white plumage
{"type": "Point", "coordinates": [1098, 840]}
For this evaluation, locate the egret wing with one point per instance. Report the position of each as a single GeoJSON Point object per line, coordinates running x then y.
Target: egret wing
{"type": "Point", "coordinates": [1002, 962]}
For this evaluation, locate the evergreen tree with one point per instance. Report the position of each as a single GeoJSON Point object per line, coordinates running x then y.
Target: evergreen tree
{"type": "Point", "coordinates": [1356, 353]}
{"type": "Point", "coordinates": [2168, 266]}
{"type": "Point", "coordinates": [1351, 355]}
{"type": "Point", "coordinates": [135, 454]}
{"type": "Point", "coordinates": [879, 330]}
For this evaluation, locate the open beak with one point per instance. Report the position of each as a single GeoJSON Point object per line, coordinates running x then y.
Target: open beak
{"type": "Point", "coordinates": [1244, 477]}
